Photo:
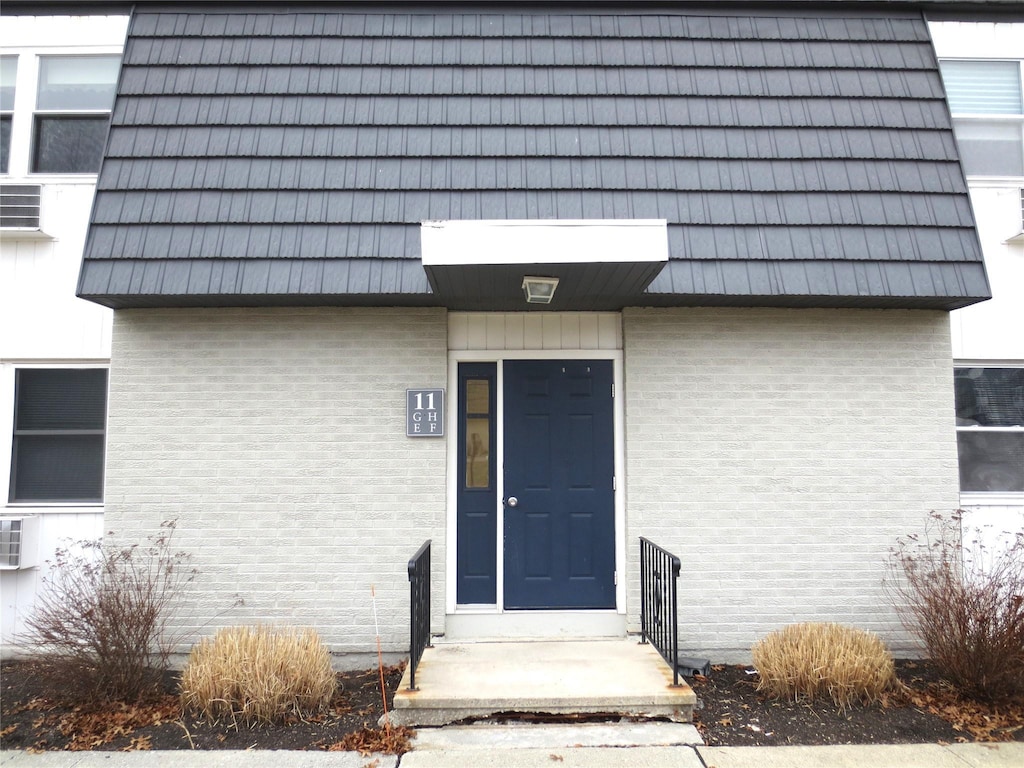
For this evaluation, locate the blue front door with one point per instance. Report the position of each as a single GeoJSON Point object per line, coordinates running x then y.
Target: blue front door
{"type": "Point", "coordinates": [559, 530]}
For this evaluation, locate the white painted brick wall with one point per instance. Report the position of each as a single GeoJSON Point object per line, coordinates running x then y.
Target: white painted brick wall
{"type": "Point", "coordinates": [276, 438]}
{"type": "Point", "coordinates": [780, 453]}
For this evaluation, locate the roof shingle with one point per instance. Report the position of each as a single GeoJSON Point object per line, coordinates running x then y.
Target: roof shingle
{"type": "Point", "coordinates": [257, 156]}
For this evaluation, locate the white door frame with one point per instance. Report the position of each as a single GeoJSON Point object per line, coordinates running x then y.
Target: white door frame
{"type": "Point", "coordinates": [498, 357]}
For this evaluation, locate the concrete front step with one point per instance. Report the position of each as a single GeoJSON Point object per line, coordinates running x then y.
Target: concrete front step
{"type": "Point", "coordinates": [456, 681]}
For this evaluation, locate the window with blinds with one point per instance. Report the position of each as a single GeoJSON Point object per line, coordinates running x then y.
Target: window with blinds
{"type": "Point", "coordinates": [8, 76]}
{"type": "Point", "coordinates": [59, 432]}
{"type": "Point", "coordinates": [987, 102]}
{"type": "Point", "coordinates": [990, 429]}
{"type": "Point", "coordinates": [73, 103]}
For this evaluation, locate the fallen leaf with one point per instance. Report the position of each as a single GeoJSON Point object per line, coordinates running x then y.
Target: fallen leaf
{"type": "Point", "coordinates": [138, 743]}
{"type": "Point", "coordinates": [392, 740]}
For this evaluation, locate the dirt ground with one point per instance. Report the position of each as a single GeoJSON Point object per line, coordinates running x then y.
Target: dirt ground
{"type": "Point", "coordinates": [730, 713]}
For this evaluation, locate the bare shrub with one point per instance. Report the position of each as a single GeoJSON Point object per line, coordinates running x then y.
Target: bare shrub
{"type": "Point", "coordinates": [965, 607]}
{"type": "Point", "coordinates": [813, 659]}
{"type": "Point", "coordinates": [101, 618]}
{"type": "Point", "coordinates": [258, 675]}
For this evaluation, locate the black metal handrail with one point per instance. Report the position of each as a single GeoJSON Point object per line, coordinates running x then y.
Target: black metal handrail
{"type": "Point", "coordinates": [419, 608]}
{"type": "Point", "coordinates": [659, 574]}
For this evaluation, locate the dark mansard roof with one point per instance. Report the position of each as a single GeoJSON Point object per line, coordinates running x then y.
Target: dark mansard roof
{"type": "Point", "coordinates": [262, 155]}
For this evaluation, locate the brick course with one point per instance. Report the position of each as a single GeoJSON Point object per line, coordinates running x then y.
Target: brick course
{"type": "Point", "coordinates": [276, 438]}
{"type": "Point", "coordinates": [779, 453]}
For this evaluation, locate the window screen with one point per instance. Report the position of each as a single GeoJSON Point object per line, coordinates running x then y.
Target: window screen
{"type": "Point", "coordinates": [73, 102]}
{"type": "Point", "coordinates": [59, 427]}
{"type": "Point", "coordinates": [990, 429]}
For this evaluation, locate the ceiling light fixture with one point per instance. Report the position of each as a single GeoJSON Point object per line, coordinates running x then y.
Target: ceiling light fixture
{"type": "Point", "coordinates": [539, 290]}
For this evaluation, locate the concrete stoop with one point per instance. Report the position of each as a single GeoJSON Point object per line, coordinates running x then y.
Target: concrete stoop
{"type": "Point", "coordinates": [456, 681]}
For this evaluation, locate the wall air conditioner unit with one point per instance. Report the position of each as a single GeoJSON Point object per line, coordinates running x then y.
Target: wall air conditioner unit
{"type": "Point", "coordinates": [19, 542]}
{"type": "Point", "coordinates": [19, 210]}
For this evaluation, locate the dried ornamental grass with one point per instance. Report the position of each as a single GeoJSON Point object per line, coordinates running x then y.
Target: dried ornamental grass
{"type": "Point", "coordinates": [258, 675]}
{"type": "Point", "coordinates": [813, 659]}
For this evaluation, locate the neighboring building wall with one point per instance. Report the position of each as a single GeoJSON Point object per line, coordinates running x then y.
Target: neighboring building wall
{"type": "Point", "coordinates": [42, 323]}
{"type": "Point", "coordinates": [276, 439]}
{"type": "Point", "coordinates": [990, 334]}
{"type": "Point", "coordinates": [780, 453]}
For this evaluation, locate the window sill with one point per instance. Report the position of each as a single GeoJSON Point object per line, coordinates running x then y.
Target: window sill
{"type": "Point", "coordinates": [51, 178]}
{"type": "Point", "coordinates": [991, 499]}
{"type": "Point", "coordinates": [54, 506]}
{"type": "Point", "coordinates": [24, 233]}
{"type": "Point", "coordinates": [993, 181]}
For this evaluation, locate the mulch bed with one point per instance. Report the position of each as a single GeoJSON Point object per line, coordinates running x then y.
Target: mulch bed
{"type": "Point", "coordinates": [924, 710]}
{"type": "Point", "coordinates": [730, 713]}
{"type": "Point", "coordinates": [34, 718]}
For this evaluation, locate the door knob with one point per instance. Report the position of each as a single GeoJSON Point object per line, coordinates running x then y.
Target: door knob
{"type": "Point", "coordinates": [512, 501]}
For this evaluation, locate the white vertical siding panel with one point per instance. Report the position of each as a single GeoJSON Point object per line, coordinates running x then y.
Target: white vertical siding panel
{"type": "Point", "coordinates": [589, 332]}
{"type": "Point", "coordinates": [533, 336]}
{"type": "Point", "coordinates": [458, 330]}
{"type": "Point", "coordinates": [570, 331]}
{"type": "Point", "coordinates": [514, 330]}
{"type": "Point", "coordinates": [552, 331]}
{"type": "Point", "coordinates": [19, 588]}
{"type": "Point", "coordinates": [477, 336]}
{"type": "Point", "coordinates": [37, 286]}
{"type": "Point", "coordinates": [995, 527]}
{"type": "Point", "coordinates": [610, 329]}
{"type": "Point", "coordinates": [495, 331]}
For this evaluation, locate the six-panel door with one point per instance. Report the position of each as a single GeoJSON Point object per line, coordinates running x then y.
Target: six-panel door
{"type": "Point", "coordinates": [559, 529]}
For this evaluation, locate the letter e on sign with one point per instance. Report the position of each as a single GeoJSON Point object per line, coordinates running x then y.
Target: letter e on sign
{"type": "Point", "coordinates": [424, 412]}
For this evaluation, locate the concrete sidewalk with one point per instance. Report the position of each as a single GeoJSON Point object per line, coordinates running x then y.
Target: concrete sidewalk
{"type": "Point", "coordinates": [622, 745]}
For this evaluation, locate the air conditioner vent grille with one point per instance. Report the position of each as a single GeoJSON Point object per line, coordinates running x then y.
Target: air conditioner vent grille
{"type": "Point", "coordinates": [19, 206]}
{"type": "Point", "coordinates": [10, 542]}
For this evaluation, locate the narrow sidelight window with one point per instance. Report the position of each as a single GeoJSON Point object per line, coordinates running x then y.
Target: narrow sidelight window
{"type": "Point", "coordinates": [478, 433]}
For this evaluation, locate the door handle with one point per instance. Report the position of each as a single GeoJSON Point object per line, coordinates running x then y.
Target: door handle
{"type": "Point", "coordinates": [512, 501]}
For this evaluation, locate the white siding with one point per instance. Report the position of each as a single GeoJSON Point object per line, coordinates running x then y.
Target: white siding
{"type": "Point", "coordinates": [990, 525]}
{"type": "Point", "coordinates": [277, 439]}
{"type": "Point", "coordinates": [994, 330]}
{"type": "Point", "coordinates": [58, 529]}
{"type": "Point", "coordinates": [40, 315]}
{"type": "Point", "coordinates": [780, 453]}
{"type": "Point", "coordinates": [41, 320]}
{"type": "Point", "coordinates": [514, 331]}
{"type": "Point", "coordinates": [990, 333]}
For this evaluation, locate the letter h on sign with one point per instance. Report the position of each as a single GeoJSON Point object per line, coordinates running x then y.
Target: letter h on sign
{"type": "Point", "coordinates": [424, 412]}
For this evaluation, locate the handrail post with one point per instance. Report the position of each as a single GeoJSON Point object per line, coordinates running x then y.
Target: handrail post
{"type": "Point", "coordinates": [643, 592]}
{"type": "Point", "coordinates": [419, 608]}
{"type": "Point", "coordinates": [659, 597]}
{"type": "Point", "coordinates": [676, 568]}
